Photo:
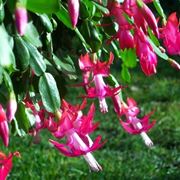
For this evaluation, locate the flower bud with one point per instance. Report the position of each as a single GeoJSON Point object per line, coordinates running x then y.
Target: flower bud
{"type": "Point", "coordinates": [73, 8]}
{"type": "Point", "coordinates": [126, 39]}
{"type": "Point", "coordinates": [4, 132]}
{"type": "Point", "coordinates": [21, 18]}
{"type": "Point", "coordinates": [11, 107]}
{"type": "Point", "coordinates": [147, 57]}
{"type": "Point", "coordinates": [4, 129]}
{"type": "Point", "coordinates": [150, 19]}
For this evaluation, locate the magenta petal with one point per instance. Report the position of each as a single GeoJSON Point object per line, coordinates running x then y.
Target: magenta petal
{"type": "Point", "coordinates": [85, 63]}
{"type": "Point", "coordinates": [112, 91]}
{"type": "Point", "coordinates": [128, 128]}
{"type": "Point", "coordinates": [87, 123]}
{"type": "Point", "coordinates": [64, 149]}
{"type": "Point", "coordinates": [149, 126]}
{"type": "Point", "coordinates": [96, 145]}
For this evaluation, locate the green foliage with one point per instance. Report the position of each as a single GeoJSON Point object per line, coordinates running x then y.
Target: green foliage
{"type": "Point", "coordinates": [43, 6]}
{"type": "Point", "coordinates": [24, 118]}
{"type": "Point", "coordinates": [49, 93]}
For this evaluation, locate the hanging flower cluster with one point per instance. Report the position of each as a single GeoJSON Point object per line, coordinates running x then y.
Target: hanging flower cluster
{"type": "Point", "coordinates": [32, 69]}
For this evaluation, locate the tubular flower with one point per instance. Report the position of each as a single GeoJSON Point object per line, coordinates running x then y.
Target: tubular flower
{"type": "Point", "coordinates": [73, 8]}
{"type": "Point", "coordinates": [6, 164]}
{"type": "Point", "coordinates": [170, 35]}
{"type": "Point", "coordinates": [133, 124]}
{"type": "Point", "coordinates": [147, 57]}
{"type": "Point", "coordinates": [98, 70]}
{"type": "Point", "coordinates": [76, 128]}
{"type": "Point", "coordinates": [21, 18]}
{"type": "Point", "coordinates": [4, 128]}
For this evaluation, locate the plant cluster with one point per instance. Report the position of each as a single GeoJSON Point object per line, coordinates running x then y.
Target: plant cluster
{"type": "Point", "coordinates": [43, 43]}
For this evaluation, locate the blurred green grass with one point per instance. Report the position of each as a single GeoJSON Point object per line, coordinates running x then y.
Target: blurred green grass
{"type": "Point", "coordinates": [123, 156]}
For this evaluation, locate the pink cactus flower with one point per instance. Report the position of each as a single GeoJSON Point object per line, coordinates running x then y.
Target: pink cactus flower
{"type": "Point", "coordinates": [4, 128]}
{"type": "Point", "coordinates": [73, 8]}
{"type": "Point", "coordinates": [145, 52]}
{"type": "Point", "coordinates": [99, 70]}
{"type": "Point", "coordinates": [133, 124]}
{"type": "Point", "coordinates": [170, 35]}
{"type": "Point", "coordinates": [21, 18]}
{"type": "Point", "coordinates": [11, 107]}
{"type": "Point", "coordinates": [76, 128]}
{"type": "Point", "coordinates": [6, 164]}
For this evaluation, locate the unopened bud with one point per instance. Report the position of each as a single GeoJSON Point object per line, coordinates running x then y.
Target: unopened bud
{"type": "Point", "coordinates": [21, 18]}
{"type": "Point", "coordinates": [11, 107]}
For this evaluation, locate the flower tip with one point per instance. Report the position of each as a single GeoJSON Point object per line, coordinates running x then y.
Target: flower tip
{"type": "Point", "coordinates": [96, 168]}
{"type": "Point", "coordinates": [149, 144]}
{"type": "Point", "coordinates": [94, 165]}
{"type": "Point", "coordinates": [147, 140]}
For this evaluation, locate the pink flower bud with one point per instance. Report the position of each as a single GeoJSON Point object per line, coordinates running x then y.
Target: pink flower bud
{"type": "Point", "coordinates": [21, 18]}
{"type": "Point", "coordinates": [126, 39]}
{"type": "Point", "coordinates": [11, 107]}
{"type": "Point", "coordinates": [4, 129]}
{"type": "Point", "coordinates": [150, 19]}
{"type": "Point", "coordinates": [148, 61]}
{"type": "Point", "coordinates": [73, 8]}
{"type": "Point", "coordinates": [4, 132]}
{"type": "Point", "coordinates": [147, 57]}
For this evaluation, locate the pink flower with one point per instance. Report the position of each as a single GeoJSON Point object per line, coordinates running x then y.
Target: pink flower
{"type": "Point", "coordinates": [76, 127]}
{"type": "Point", "coordinates": [6, 164]}
{"type": "Point", "coordinates": [147, 57]}
{"type": "Point", "coordinates": [21, 18]}
{"type": "Point", "coordinates": [170, 35]}
{"type": "Point", "coordinates": [73, 8]}
{"type": "Point", "coordinates": [4, 128]}
{"type": "Point", "coordinates": [99, 70]}
{"type": "Point", "coordinates": [133, 124]}
{"type": "Point", "coordinates": [11, 107]}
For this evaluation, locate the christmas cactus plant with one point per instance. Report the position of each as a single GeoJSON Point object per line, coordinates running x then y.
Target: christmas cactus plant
{"type": "Point", "coordinates": [44, 43]}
